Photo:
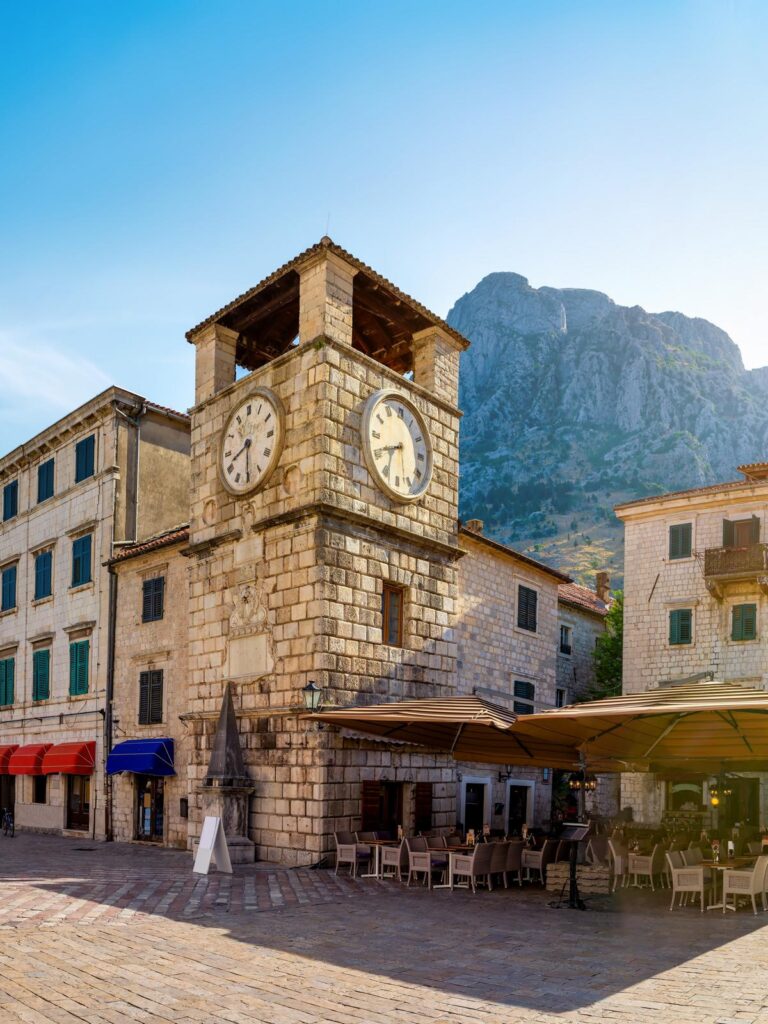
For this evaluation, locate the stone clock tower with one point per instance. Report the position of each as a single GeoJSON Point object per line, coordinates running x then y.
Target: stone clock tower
{"type": "Point", "coordinates": [324, 495]}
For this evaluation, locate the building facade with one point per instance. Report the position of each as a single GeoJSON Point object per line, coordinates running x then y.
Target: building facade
{"type": "Point", "coordinates": [695, 607]}
{"type": "Point", "coordinates": [96, 478]}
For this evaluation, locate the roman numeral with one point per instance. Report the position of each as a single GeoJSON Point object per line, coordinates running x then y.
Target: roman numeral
{"type": "Point", "coordinates": [379, 419]}
{"type": "Point", "coordinates": [418, 474]}
{"type": "Point", "coordinates": [420, 457]}
{"type": "Point", "coordinates": [267, 452]}
{"type": "Point", "coordinates": [400, 411]}
{"type": "Point", "coordinates": [378, 452]}
{"type": "Point", "coordinates": [237, 479]}
{"type": "Point", "coordinates": [268, 417]}
{"type": "Point", "coordinates": [397, 481]}
{"type": "Point", "coordinates": [248, 411]}
{"type": "Point", "coordinates": [385, 471]}
{"type": "Point", "coordinates": [417, 439]}
{"type": "Point", "coordinates": [258, 469]}
{"type": "Point", "coordinates": [259, 409]}
{"type": "Point", "coordinates": [227, 454]}
{"type": "Point", "coordinates": [238, 419]}
{"type": "Point", "coordinates": [230, 468]}
{"type": "Point", "coordinates": [270, 433]}
{"type": "Point", "coordinates": [409, 481]}
{"type": "Point", "coordinates": [389, 411]}
{"type": "Point", "coordinates": [376, 434]}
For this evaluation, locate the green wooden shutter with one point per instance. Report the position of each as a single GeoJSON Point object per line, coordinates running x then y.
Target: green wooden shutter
{"type": "Point", "coordinates": [41, 674]}
{"type": "Point", "coordinates": [681, 626]}
{"type": "Point", "coordinates": [7, 673]}
{"type": "Point", "coordinates": [144, 698]}
{"type": "Point", "coordinates": [744, 622]}
{"type": "Point", "coordinates": [156, 696]}
{"type": "Point", "coordinates": [754, 531]}
{"type": "Point", "coordinates": [680, 540]}
{"type": "Point", "coordinates": [78, 667]}
{"type": "Point", "coordinates": [728, 534]}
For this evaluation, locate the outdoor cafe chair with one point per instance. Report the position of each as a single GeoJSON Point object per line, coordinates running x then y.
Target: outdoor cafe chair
{"type": "Point", "coordinates": [686, 880]}
{"type": "Point", "coordinates": [619, 861]}
{"type": "Point", "coordinates": [349, 851]}
{"type": "Point", "coordinates": [453, 841]}
{"type": "Point", "coordinates": [692, 856]}
{"type": "Point", "coordinates": [597, 850]}
{"type": "Point", "coordinates": [514, 861]}
{"type": "Point", "coordinates": [473, 866]}
{"type": "Point", "coordinates": [499, 852]}
{"type": "Point", "coordinates": [419, 860]}
{"type": "Point", "coordinates": [750, 883]}
{"type": "Point", "coordinates": [396, 859]}
{"type": "Point", "coordinates": [648, 866]}
{"type": "Point", "coordinates": [539, 860]}
{"type": "Point", "coordinates": [755, 848]}
{"type": "Point", "coordinates": [436, 842]}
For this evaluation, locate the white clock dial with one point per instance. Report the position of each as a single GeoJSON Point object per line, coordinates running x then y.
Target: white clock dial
{"type": "Point", "coordinates": [251, 442]}
{"type": "Point", "coordinates": [397, 446]}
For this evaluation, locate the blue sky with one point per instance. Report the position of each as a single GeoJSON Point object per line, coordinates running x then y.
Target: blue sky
{"type": "Point", "coordinates": [160, 157]}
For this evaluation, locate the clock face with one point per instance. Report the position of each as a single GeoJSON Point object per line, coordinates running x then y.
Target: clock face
{"type": "Point", "coordinates": [397, 446]}
{"type": "Point", "coordinates": [251, 442]}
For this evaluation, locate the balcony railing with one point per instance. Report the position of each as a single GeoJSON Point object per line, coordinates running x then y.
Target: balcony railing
{"type": "Point", "coordinates": [752, 560]}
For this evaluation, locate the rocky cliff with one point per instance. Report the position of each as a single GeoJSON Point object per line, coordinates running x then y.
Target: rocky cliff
{"type": "Point", "coordinates": [573, 403]}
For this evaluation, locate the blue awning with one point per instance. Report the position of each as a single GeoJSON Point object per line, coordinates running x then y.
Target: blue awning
{"type": "Point", "coordinates": [145, 757]}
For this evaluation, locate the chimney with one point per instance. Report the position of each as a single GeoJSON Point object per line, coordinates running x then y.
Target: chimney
{"type": "Point", "coordinates": [603, 587]}
{"type": "Point", "coordinates": [474, 525]}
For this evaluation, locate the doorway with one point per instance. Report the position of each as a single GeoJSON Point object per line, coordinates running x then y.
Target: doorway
{"type": "Point", "coordinates": [8, 792]}
{"type": "Point", "coordinates": [382, 809]}
{"type": "Point", "coordinates": [742, 805]}
{"type": "Point", "coordinates": [517, 809]}
{"type": "Point", "coordinates": [150, 816]}
{"type": "Point", "coordinates": [474, 806]}
{"type": "Point", "coordinates": [78, 802]}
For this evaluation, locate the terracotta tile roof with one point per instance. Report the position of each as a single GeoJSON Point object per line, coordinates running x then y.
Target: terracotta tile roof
{"type": "Point", "coordinates": [171, 412]}
{"type": "Point", "coordinates": [581, 597]}
{"type": "Point", "coordinates": [328, 244]}
{"type": "Point", "coordinates": [729, 485]}
{"type": "Point", "coordinates": [754, 470]}
{"type": "Point", "coordinates": [161, 540]}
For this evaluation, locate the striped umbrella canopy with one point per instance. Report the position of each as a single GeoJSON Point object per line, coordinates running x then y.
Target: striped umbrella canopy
{"type": "Point", "coordinates": [704, 727]}
{"type": "Point", "coordinates": [468, 727]}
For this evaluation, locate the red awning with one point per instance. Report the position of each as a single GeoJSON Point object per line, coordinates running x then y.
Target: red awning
{"type": "Point", "coordinates": [70, 759]}
{"type": "Point", "coordinates": [5, 756]}
{"type": "Point", "coordinates": [28, 760]}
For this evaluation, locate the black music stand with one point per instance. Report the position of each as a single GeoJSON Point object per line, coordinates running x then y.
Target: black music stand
{"type": "Point", "coordinates": [572, 834]}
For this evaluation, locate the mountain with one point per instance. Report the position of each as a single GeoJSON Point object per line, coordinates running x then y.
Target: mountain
{"type": "Point", "coordinates": [573, 403]}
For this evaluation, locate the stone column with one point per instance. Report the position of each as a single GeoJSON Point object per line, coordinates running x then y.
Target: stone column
{"type": "Point", "coordinates": [214, 361]}
{"type": "Point", "coordinates": [436, 363]}
{"type": "Point", "coordinates": [325, 299]}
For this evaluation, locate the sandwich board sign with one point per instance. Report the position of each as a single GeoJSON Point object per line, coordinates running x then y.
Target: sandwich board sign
{"type": "Point", "coordinates": [213, 845]}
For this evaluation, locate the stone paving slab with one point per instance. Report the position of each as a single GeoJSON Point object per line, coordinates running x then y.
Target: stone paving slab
{"type": "Point", "coordinates": [126, 934]}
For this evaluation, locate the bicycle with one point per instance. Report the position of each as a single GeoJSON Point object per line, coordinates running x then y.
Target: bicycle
{"type": "Point", "coordinates": [8, 824]}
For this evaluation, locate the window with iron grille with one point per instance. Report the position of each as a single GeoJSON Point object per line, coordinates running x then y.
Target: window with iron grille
{"type": "Point", "coordinates": [151, 697]}
{"type": "Point", "coordinates": [527, 601]}
{"type": "Point", "coordinates": [153, 597]}
{"type": "Point", "coordinates": [565, 640]}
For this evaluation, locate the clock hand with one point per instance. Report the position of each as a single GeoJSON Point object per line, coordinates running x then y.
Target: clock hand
{"type": "Point", "coordinates": [246, 445]}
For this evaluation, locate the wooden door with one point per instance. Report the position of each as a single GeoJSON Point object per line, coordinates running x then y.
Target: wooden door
{"type": "Point", "coordinates": [78, 802]}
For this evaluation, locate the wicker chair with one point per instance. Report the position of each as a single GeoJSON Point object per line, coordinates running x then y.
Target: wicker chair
{"type": "Point", "coordinates": [539, 860]}
{"type": "Point", "coordinates": [472, 866]}
{"type": "Point", "coordinates": [514, 861]}
{"type": "Point", "coordinates": [685, 879]}
{"type": "Point", "coordinates": [396, 859]}
{"type": "Point", "coordinates": [499, 854]}
{"type": "Point", "coordinates": [451, 841]}
{"type": "Point", "coordinates": [619, 859]}
{"type": "Point", "coordinates": [419, 860]}
{"type": "Point", "coordinates": [746, 883]}
{"type": "Point", "coordinates": [349, 851]}
{"type": "Point", "coordinates": [648, 866]}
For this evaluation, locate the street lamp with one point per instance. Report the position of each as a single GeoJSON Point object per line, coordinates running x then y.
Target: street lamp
{"type": "Point", "coordinates": [312, 695]}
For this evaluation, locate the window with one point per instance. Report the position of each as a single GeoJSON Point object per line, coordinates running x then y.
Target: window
{"type": "Point", "coordinates": [680, 540]}
{"type": "Point", "coordinates": [84, 458]}
{"type": "Point", "coordinates": [152, 599]}
{"type": "Point", "coordinates": [7, 673]}
{"type": "Point", "coordinates": [681, 626]}
{"type": "Point", "coordinates": [41, 674]}
{"type": "Point", "coordinates": [565, 640]}
{"type": "Point", "coordinates": [392, 615]}
{"type": "Point", "coordinates": [151, 697]}
{"type": "Point", "coordinates": [78, 667]}
{"type": "Point", "coordinates": [559, 698]}
{"type": "Point", "coordinates": [740, 533]}
{"type": "Point", "coordinates": [40, 789]}
{"type": "Point", "coordinates": [744, 622]}
{"type": "Point", "coordinates": [11, 500]}
{"type": "Point", "coordinates": [527, 693]}
{"type": "Point", "coordinates": [43, 575]}
{"type": "Point", "coordinates": [8, 600]}
{"type": "Point", "coordinates": [81, 560]}
{"type": "Point", "coordinates": [45, 481]}
{"type": "Point", "coordinates": [527, 600]}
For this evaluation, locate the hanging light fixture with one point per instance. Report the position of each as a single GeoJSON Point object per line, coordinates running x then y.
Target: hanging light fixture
{"type": "Point", "coordinates": [312, 695]}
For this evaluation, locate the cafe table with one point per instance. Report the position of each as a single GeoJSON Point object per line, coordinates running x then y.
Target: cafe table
{"type": "Point", "coordinates": [734, 864]}
{"type": "Point", "coordinates": [376, 845]}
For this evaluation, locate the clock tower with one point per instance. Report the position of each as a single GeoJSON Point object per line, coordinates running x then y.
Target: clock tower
{"type": "Point", "coordinates": [323, 542]}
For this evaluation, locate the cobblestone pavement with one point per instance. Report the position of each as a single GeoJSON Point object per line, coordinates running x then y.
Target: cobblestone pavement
{"type": "Point", "coordinates": [124, 933]}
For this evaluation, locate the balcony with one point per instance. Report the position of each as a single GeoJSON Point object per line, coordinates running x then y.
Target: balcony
{"type": "Point", "coordinates": [722, 565]}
